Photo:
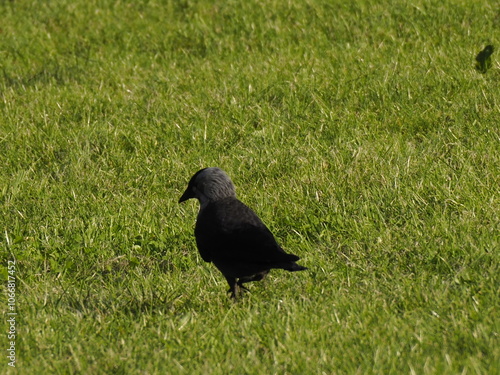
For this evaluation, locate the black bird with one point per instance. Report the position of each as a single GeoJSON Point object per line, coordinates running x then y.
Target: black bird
{"type": "Point", "coordinates": [483, 59]}
{"type": "Point", "coordinates": [231, 235]}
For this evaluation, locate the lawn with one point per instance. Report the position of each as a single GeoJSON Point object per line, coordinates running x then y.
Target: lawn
{"type": "Point", "coordinates": [360, 132]}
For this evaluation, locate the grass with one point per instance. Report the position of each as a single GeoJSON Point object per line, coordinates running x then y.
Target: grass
{"type": "Point", "coordinates": [360, 132]}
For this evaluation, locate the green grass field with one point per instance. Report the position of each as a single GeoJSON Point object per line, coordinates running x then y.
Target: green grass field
{"type": "Point", "coordinates": [359, 131]}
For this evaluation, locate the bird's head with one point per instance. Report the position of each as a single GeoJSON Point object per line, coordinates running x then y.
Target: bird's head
{"type": "Point", "coordinates": [208, 185]}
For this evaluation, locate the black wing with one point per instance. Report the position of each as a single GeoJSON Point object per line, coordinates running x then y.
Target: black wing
{"type": "Point", "coordinates": [228, 230]}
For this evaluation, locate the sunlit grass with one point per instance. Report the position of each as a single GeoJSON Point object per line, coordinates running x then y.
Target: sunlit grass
{"type": "Point", "coordinates": [360, 133]}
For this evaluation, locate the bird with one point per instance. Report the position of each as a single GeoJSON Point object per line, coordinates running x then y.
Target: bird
{"type": "Point", "coordinates": [483, 59]}
{"type": "Point", "coordinates": [230, 235]}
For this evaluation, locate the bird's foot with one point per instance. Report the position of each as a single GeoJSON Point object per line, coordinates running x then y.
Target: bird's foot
{"type": "Point", "coordinates": [233, 293]}
{"type": "Point", "coordinates": [243, 287]}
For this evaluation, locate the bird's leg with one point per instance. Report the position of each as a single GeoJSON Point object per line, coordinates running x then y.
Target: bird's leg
{"type": "Point", "coordinates": [240, 284]}
{"type": "Point", "coordinates": [257, 277]}
{"type": "Point", "coordinates": [233, 286]}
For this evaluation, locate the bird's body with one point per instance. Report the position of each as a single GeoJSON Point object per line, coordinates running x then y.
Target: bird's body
{"type": "Point", "coordinates": [231, 235]}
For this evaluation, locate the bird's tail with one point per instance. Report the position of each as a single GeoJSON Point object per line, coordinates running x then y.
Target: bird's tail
{"type": "Point", "coordinates": [292, 266]}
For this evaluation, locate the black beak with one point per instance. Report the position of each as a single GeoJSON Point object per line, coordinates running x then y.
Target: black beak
{"type": "Point", "coordinates": [188, 194]}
